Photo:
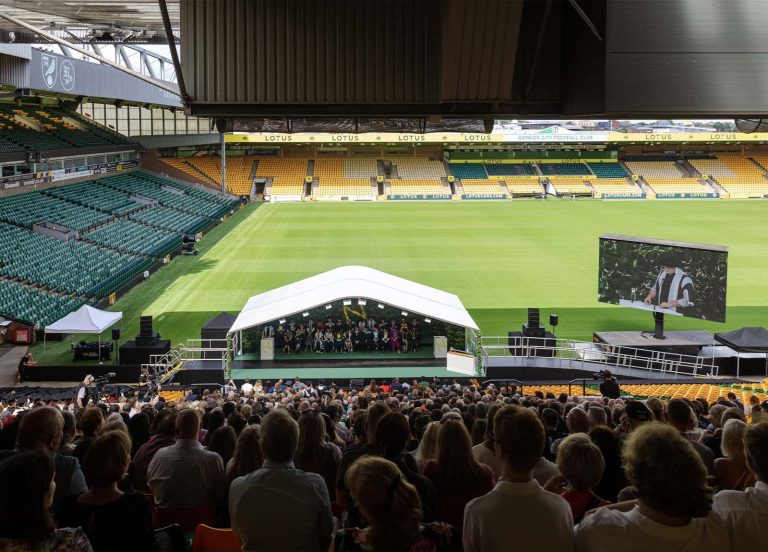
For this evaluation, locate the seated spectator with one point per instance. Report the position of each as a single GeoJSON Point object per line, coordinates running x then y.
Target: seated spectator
{"type": "Point", "coordinates": [673, 509]}
{"type": "Point", "coordinates": [138, 428]}
{"type": "Point", "coordinates": [681, 417]}
{"type": "Point", "coordinates": [427, 449]}
{"type": "Point", "coordinates": [112, 519]}
{"type": "Point", "coordinates": [67, 447]}
{"type": "Point", "coordinates": [314, 454]}
{"type": "Point", "coordinates": [746, 512]}
{"type": "Point", "coordinates": [90, 424]}
{"type": "Point", "coordinates": [613, 479]}
{"type": "Point", "coordinates": [457, 476]}
{"type": "Point", "coordinates": [248, 455]}
{"type": "Point", "coordinates": [185, 475]}
{"type": "Point", "coordinates": [731, 471]}
{"type": "Point", "coordinates": [42, 428]}
{"type": "Point", "coordinates": [518, 510]}
{"type": "Point", "coordinates": [581, 464]}
{"type": "Point", "coordinates": [223, 442]}
{"type": "Point", "coordinates": [279, 507]}
{"type": "Point", "coordinates": [165, 435]}
{"type": "Point", "coordinates": [392, 508]}
{"type": "Point", "coordinates": [27, 487]}
{"type": "Point", "coordinates": [485, 452]}
{"type": "Point", "coordinates": [577, 422]}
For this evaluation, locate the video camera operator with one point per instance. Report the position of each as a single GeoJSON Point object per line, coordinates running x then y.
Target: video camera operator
{"type": "Point", "coordinates": [610, 387]}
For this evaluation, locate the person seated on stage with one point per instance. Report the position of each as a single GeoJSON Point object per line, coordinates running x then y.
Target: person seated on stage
{"type": "Point", "coordinates": [328, 341]}
{"type": "Point", "coordinates": [384, 341]}
{"type": "Point", "coordinates": [279, 338]}
{"type": "Point", "coordinates": [404, 338]}
{"type": "Point", "coordinates": [318, 341]}
{"type": "Point", "coordinates": [357, 340]}
{"type": "Point", "coordinates": [394, 338]}
{"type": "Point", "coordinates": [338, 341]}
{"type": "Point", "coordinates": [370, 341]}
{"type": "Point", "coordinates": [348, 342]}
{"type": "Point", "coordinates": [299, 339]}
{"type": "Point", "coordinates": [414, 335]}
{"type": "Point", "coordinates": [287, 342]}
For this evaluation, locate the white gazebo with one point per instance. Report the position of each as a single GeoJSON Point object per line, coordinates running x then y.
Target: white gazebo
{"type": "Point", "coordinates": [85, 320]}
{"type": "Point", "coordinates": [352, 283]}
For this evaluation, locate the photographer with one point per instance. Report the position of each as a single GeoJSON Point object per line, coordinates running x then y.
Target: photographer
{"type": "Point", "coordinates": [81, 395]}
{"type": "Point", "coordinates": [610, 387]}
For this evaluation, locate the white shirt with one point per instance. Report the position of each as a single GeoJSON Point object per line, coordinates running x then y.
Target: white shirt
{"type": "Point", "coordinates": [486, 456]}
{"type": "Point", "coordinates": [185, 475]}
{"type": "Point", "coordinates": [518, 516]}
{"type": "Point", "coordinates": [746, 516]}
{"type": "Point", "coordinates": [279, 507]}
{"type": "Point", "coordinates": [247, 388]}
{"type": "Point", "coordinates": [611, 530]}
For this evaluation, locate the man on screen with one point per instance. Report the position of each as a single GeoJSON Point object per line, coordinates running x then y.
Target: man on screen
{"type": "Point", "coordinates": [673, 288]}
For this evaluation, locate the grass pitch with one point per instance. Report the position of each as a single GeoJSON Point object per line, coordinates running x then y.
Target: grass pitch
{"type": "Point", "coordinates": [498, 257]}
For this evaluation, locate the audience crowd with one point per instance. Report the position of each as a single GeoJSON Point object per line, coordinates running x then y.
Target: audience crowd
{"type": "Point", "coordinates": [425, 466]}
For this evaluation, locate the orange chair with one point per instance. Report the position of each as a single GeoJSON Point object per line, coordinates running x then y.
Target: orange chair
{"type": "Point", "coordinates": [188, 518]}
{"type": "Point", "coordinates": [210, 539]}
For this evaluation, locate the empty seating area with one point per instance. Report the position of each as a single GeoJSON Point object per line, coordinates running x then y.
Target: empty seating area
{"type": "Point", "coordinates": [655, 169]}
{"type": "Point", "coordinates": [418, 168]}
{"type": "Point", "coordinates": [474, 171]}
{"type": "Point", "coordinates": [748, 179]}
{"type": "Point", "coordinates": [32, 304]}
{"type": "Point", "coordinates": [171, 219]}
{"type": "Point", "coordinates": [131, 237]}
{"type": "Point", "coordinates": [287, 174]}
{"type": "Point", "coordinates": [523, 186]}
{"type": "Point", "coordinates": [714, 168]}
{"type": "Point", "coordinates": [91, 194]}
{"type": "Point", "coordinates": [564, 169]}
{"type": "Point", "coordinates": [30, 208]}
{"type": "Point", "coordinates": [344, 187]}
{"type": "Point", "coordinates": [360, 168]}
{"type": "Point", "coordinates": [667, 186]}
{"type": "Point", "coordinates": [571, 185]}
{"type": "Point", "coordinates": [615, 187]}
{"type": "Point", "coordinates": [607, 170]}
{"type": "Point", "coordinates": [483, 187]}
{"type": "Point", "coordinates": [509, 169]}
{"type": "Point", "coordinates": [238, 171]}
{"type": "Point", "coordinates": [417, 187]}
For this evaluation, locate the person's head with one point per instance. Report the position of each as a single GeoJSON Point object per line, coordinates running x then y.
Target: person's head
{"type": "Point", "coordinates": [577, 421]}
{"type": "Point", "coordinates": [311, 434]}
{"type": "Point", "coordinates": [392, 434]}
{"type": "Point", "coordinates": [27, 485]}
{"type": "Point", "coordinates": [70, 424]}
{"type": "Point", "coordinates": [733, 440]}
{"type": "Point", "coordinates": [376, 412]}
{"type": "Point", "coordinates": [91, 421]}
{"type": "Point", "coordinates": [390, 504]}
{"type": "Point", "coordinates": [89, 379]}
{"type": "Point", "coordinates": [637, 415]}
{"type": "Point", "coordinates": [478, 431]}
{"type": "Point", "coordinates": [41, 427]}
{"type": "Point", "coordinates": [550, 418]}
{"type": "Point", "coordinates": [107, 459]}
{"type": "Point", "coordinates": [519, 437]}
{"type": "Point", "coordinates": [428, 446]}
{"type": "Point", "coordinates": [716, 414]}
{"type": "Point", "coordinates": [165, 423]}
{"type": "Point", "coordinates": [666, 472]}
{"type": "Point", "coordinates": [596, 416]}
{"type": "Point", "coordinates": [580, 461]}
{"type": "Point", "coordinates": [680, 415]}
{"type": "Point", "coordinates": [223, 442]}
{"type": "Point", "coordinates": [756, 446]}
{"type": "Point", "coordinates": [732, 413]}
{"type": "Point", "coordinates": [138, 427]}
{"type": "Point", "coordinates": [279, 436]}
{"type": "Point", "coordinates": [248, 456]}
{"type": "Point", "coordinates": [669, 263]}
{"type": "Point", "coordinates": [657, 408]}
{"type": "Point", "coordinates": [454, 453]}
{"type": "Point", "coordinates": [187, 424]}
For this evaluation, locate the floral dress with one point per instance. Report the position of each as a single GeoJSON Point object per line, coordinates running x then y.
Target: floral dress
{"type": "Point", "coordinates": [62, 540]}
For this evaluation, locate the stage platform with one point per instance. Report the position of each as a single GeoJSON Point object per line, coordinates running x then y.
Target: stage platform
{"type": "Point", "coordinates": [344, 373]}
{"type": "Point", "coordinates": [684, 342]}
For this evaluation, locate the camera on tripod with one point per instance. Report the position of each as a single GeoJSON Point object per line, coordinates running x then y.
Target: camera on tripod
{"type": "Point", "coordinates": [601, 375]}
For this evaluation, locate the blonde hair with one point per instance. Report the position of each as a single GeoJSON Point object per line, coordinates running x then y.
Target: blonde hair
{"type": "Point", "coordinates": [390, 504]}
{"type": "Point", "coordinates": [428, 446]}
{"type": "Point", "coordinates": [666, 472]}
{"type": "Point", "coordinates": [733, 440]}
{"type": "Point", "coordinates": [580, 461]}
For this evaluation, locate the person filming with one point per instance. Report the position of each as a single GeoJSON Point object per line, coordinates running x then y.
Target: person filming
{"type": "Point", "coordinates": [610, 387]}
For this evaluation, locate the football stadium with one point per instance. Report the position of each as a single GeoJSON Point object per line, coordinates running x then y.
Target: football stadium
{"type": "Point", "coordinates": [383, 275]}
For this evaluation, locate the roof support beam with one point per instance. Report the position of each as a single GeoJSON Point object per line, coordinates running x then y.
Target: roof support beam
{"type": "Point", "coordinates": [105, 61]}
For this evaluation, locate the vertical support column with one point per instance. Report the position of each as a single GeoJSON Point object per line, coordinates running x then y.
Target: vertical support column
{"type": "Point", "coordinates": [223, 165]}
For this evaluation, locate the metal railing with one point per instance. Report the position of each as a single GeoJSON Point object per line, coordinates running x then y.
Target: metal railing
{"type": "Point", "coordinates": [160, 366]}
{"type": "Point", "coordinates": [586, 355]}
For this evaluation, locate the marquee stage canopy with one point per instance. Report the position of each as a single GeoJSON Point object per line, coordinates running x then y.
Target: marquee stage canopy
{"type": "Point", "coordinates": [353, 282]}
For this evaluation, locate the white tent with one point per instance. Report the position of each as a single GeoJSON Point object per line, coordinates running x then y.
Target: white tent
{"type": "Point", "coordinates": [85, 320]}
{"type": "Point", "coordinates": [353, 282]}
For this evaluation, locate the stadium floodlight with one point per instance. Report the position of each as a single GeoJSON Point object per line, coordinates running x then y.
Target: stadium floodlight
{"type": "Point", "coordinates": [282, 321]}
{"type": "Point", "coordinates": [380, 306]}
{"type": "Point", "coordinates": [347, 302]}
{"type": "Point", "coordinates": [328, 306]}
{"type": "Point", "coordinates": [362, 302]}
{"type": "Point", "coordinates": [305, 314]}
{"type": "Point", "coordinates": [428, 320]}
{"type": "Point", "coordinates": [404, 313]}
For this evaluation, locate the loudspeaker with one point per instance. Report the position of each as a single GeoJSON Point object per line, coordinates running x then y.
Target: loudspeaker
{"type": "Point", "coordinates": [533, 317]}
{"type": "Point", "coordinates": [553, 319]}
{"type": "Point", "coordinates": [115, 334]}
{"type": "Point", "coordinates": [145, 325]}
{"type": "Point", "coordinates": [534, 331]}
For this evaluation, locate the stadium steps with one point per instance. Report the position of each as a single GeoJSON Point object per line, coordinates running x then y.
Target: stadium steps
{"type": "Point", "coordinates": [688, 169]}
{"type": "Point", "coordinates": [759, 166]}
{"type": "Point", "coordinates": [254, 168]}
{"type": "Point", "coordinates": [715, 185]}
{"type": "Point", "coordinates": [647, 190]}
{"type": "Point", "coordinates": [311, 167]}
{"type": "Point", "coordinates": [380, 169]}
{"type": "Point", "coordinates": [202, 176]}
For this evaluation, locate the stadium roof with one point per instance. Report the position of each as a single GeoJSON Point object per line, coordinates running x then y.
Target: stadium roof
{"type": "Point", "coordinates": [134, 15]}
{"type": "Point", "coordinates": [352, 282]}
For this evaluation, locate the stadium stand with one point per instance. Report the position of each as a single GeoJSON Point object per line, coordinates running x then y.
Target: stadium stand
{"type": "Point", "coordinates": [417, 187]}
{"type": "Point", "coordinates": [472, 171]}
{"type": "Point", "coordinates": [564, 169]}
{"type": "Point", "coordinates": [238, 171]}
{"type": "Point", "coordinates": [667, 179]}
{"type": "Point", "coordinates": [523, 186]}
{"type": "Point", "coordinates": [32, 304]}
{"type": "Point", "coordinates": [130, 237]}
{"type": "Point", "coordinates": [656, 169]}
{"type": "Point", "coordinates": [343, 187]}
{"type": "Point", "coordinates": [615, 187]}
{"type": "Point", "coordinates": [745, 179]}
{"type": "Point", "coordinates": [30, 208]}
{"type": "Point", "coordinates": [287, 174]}
{"type": "Point", "coordinates": [484, 187]}
{"type": "Point", "coordinates": [607, 170]}
{"type": "Point", "coordinates": [509, 169]}
{"type": "Point", "coordinates": [571, 185]}
{"type": "Point", "coordinates": [360, 168]}
{"type": "Point", "coordinates": [92, 194]}
{"type": "Point", "coordinates": [418, 168]}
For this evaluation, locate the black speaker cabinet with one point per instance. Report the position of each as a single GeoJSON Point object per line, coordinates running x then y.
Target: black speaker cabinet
{"type": "Point", "coordinates": [532, 344]}
{"type": "Point", "coordinates": [116, 334]}
{"type": "Point", "coordinates": [145, 325]}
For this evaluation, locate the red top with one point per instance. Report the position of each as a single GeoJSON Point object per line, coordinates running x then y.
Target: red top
{"type": "Point", "coordinates": [582, 502]}
{"type": "Point", "coordinates": [454, 494]}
